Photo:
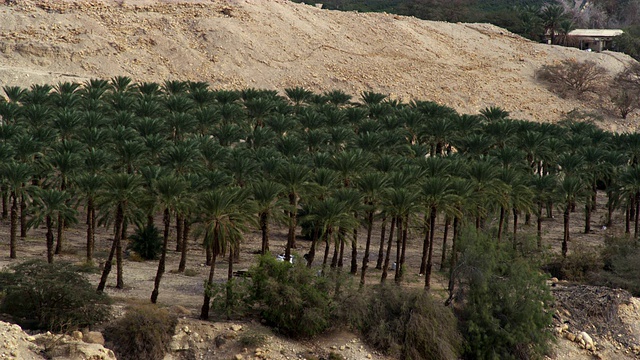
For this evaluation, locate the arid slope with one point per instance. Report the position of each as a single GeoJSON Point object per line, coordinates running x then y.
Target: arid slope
{"type": "Point", "coordinates": [277, 44]}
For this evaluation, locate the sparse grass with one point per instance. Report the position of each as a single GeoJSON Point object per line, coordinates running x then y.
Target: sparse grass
{"type": "Point", "coordinates": [252, 339]}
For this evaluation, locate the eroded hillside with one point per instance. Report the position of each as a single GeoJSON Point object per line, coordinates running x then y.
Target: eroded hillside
{"type": "Point", "coordinates": [277, 44]}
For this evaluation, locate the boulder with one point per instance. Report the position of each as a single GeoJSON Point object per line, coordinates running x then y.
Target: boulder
{"type": "Point", "coordinates": [93, 337]}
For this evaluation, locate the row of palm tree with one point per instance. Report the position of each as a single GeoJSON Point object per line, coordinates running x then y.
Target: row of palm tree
{"type": "Point", "coordinates": [215, 164]}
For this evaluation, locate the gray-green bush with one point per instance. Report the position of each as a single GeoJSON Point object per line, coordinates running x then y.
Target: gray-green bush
{"type": "Point", "coordinates": [143, 333]}
{"type": "Point", "coordinates": [406, 324]}
{"type": "Point", "coordinates": [51, 296]}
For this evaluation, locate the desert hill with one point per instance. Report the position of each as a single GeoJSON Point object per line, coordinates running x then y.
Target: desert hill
{"type": "Point", "coordinates": [276, 44]}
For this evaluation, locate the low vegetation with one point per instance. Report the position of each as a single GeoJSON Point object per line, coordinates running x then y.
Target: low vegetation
{"type": "Point", "coordinates": [144, 332]}
{"type": "Point", "coordinates": [52, 297]}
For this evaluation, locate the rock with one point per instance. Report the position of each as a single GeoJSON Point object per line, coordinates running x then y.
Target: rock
{"type": "Point", "coordinates": [570, 336]}
{"type": "Point", "coordinates": [588, 341]}
{"type": "Point", "coordinates": [238, 357]}
{"type": "Point", "coordinates": [93, 337]}
{"type": "Point", "coordinates": [220, 340]}
{"type": "Point", "coordinates": [63, 347]}
{"type": "Point", "coordinates": [76, 335]}
{"type": "Point", "coordinates": [236, 327]}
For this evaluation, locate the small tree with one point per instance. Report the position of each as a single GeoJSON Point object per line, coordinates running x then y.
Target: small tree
{"type": "Point", "coordinates": [505, 313]}
{"type": "Point", "coordinates": [573, 78]}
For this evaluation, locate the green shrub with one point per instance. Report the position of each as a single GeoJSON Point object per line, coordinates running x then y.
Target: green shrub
{"type": "Point", "coordinates": [506, 304]}
{"type": "Point", "coordinates": [146, 242]}
{"type": "Point", "coordinates": [51, 296]}
{"type": "Point", "coordinates": [621, 265]}
{"type": "Point", "coordinates": [406, 324]}
{"type": "Point", "coordinates": [292, 297]}
{"type": "Point", "coordinates": [579, 265]}
{"type": "Point", "coordinates": [144, 332]}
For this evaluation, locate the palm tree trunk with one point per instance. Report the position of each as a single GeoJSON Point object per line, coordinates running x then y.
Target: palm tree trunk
{"type": "Point", "coordinates": [163, 256]}
{"type": "Point", "coordinates": [204, 312]}
{"type": "Point", "coordinates": [427, 273]}
{"type": "Point", "coordinates": [454, 258]}
{"type": "Point", "coordinates": [539, 226]}
{"type": "Point", "coordinates": [185, 246]}
{"type": "Point", "coordinates": [386, 258]}
{"type": "Point", "coordinates": [119, 265]}
{"type": "Point", "coordinates": [587, 217]}
{"type": "Point", "coordinates": [637, 214]}
{"type": "Point", "coordinates": [291, 236]}
{"type": "Point", "coordinates": [179, 232]}
{"type": "Point", "coordinates": [49, 238]}
{"type": "Point", "coordinates": [314, 242]}
{"type": "Point", "coordinates": [5, 203]}
{"type": "Point", "coordinates": [367, 248]}
{"type": "Point", "coordinates": [114, 245]}
{"type": "Point", "coordinates": [381, 248]}
{"type": "Point", "coordinates": [609, 209]}
{"type": "Point", "coordinates": [343, 236]}
{"type": "Point", "coordinates": [23, 217]}
{"type": "Point", "coordinates": [425, 246]}
{"type": "Point", "coordinates": [515, 228]}
{"type": "Point", "coordinates": [500, 224]}
{"type": "Point", "coordinates": [264, 228]}
{"type": "Point", "coordinates": [13, 226]}
{"type": "Point", "coordinates": [627, 220]}
{"type": "Point", "coordinates": [405, 233]}
{"type": "Point", "coordinates": [327, 236]}
{"type": "Point", "coordinates": [89, 230]}
{"type": "Point", "coordinates": [60, 234]}
{"type": "Point", "coordinates": [443, 259]}
{"type": "Point", "coordinates": [354, 253]}
{"type": "Point", "coordinates": [336, 250]}
{"type": "Point", "coordinates": [566, 238]}
{"type": "Point", "coordinates": [399, 226]}
{"type": "Point", "coordinates": [208, 255]}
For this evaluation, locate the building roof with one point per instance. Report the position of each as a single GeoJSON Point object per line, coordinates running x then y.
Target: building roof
{"type": "Point", "coordinates": [595, 32]}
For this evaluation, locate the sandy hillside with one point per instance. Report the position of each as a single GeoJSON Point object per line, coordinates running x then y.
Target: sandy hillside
{"type": "Point", "coordinates": [277, 44]}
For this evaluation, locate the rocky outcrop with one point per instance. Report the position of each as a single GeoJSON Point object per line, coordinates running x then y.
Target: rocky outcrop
{"type": "Point", "coordinates": [16, 344]}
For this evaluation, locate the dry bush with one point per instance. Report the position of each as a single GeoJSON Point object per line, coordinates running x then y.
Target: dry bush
{"type": "Point", "coordinates": [144, 332]}
{"type": "Point", "coordinates": [573, 78]}
{"type": "Point", "coordinates": [625, 96]}
{"type": "Point", "coordinates": [406, 324]}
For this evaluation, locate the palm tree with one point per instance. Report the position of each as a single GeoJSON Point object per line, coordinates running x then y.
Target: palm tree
{"type": "Point", "coordinates": [552, 16]}
{"type": "Point", "coordinates": [268, 197]}
{"type": "Point", "coordinates": [543, 190]}
{"type": "Point", "coordinates": [630, 189]}
{"type": "Point", "coordinates": [16, 176]}
{"type": "Point", "coordinates": [171, 190]}
{"type": "Point", "coordinates": [436, 196]}
{"type": "Point", "coordinates": [294, 178]}
{"type": "Point", "coordinates": [119, 200]}
{"type": "Point", "coordinates": [371, 185]}
{"type": "Point", "coordinates": [66, 163]}
{"type": "Point", "coordinates": [49, 205]}
{"type": "Point", "coordinates": [571, 189]}
{"type": "Point", "coordinates": [224, 215]}
{"type": "Point", "coordinates": [330, 214]}
{"type": "Point", "coordinates": [400, 203]}
{"type": "Point", "coordinates": [88, 184]}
